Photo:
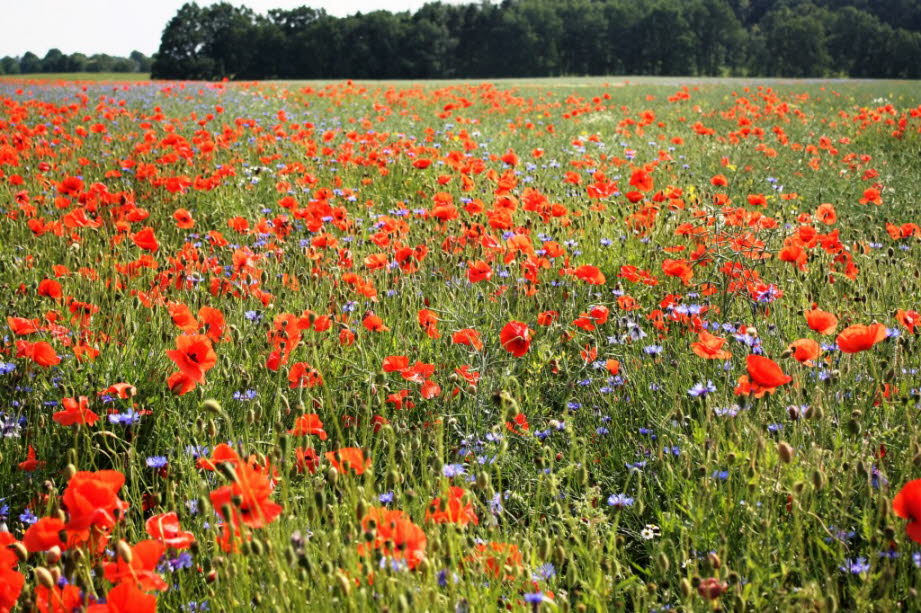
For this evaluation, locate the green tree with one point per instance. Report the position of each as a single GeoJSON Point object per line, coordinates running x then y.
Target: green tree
{"type": "Point", "coordinates": [9, 65]}
{"type": "Point", "coordinates": [719, 35]}
{"type": "Point", "coordinates": [142, 62]}
{"type": "Point", "coordinates": [665, 42]}
{"type": "Point", "coordinates": [76, 62]}
{"type": "Point", "coordinates": [54, 61]}
{"type": "Point", "coordinates": [795, 43]}
{"type": "Point", "coordinates": [30, 63]}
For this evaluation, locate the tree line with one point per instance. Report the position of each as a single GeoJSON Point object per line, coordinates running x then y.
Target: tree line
{"type": "Point", "coordinates": [56, 61]}
{"type": "Point", "coordinates": [527, 38]}
{"type": "Point", "coordinates": [531, 38]}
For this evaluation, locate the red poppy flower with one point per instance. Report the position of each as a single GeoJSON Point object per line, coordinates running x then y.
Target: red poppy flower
{"type": "Point", "coordinates": [184, 220]}
{"type": "Point", "coordinates": [589, 274]}
{"type": "Point", "coordinates": [49, 288]}
{"type": "Point", "coordinates": [856, 338]}
{"type": "Point", "coordinates": [909, 319]}
{"type": "Point", "coordinates": [469, 337]}
{"type": "Point", "coordinates": [91, 499]}
{"type": "Point", "coordinates": [710, 347]}
{"type": "Point", "coordinates": [348, 459]}
{"type": "Point", "coordinates": [306, 459]}
{"type": "Point", "coordinates": [642, 180]}
{"type": "Point", "coordinates": [805, 350]}
{"type": "Point", "coordinates": [125, 598]}
{"type": "Point", "coordinates": [21, 326]}
{"type": "Point", "coordinates": [516, 338]}
{"type": "Point", "coordinates": [166, 529]}
{"type": "Point", "coordinates": [58, 599]}
{"type": "Point", "coordinates": [373, 323]}
{"type": "Point", "coordinates": [194, 356]}
{"type": "Point", "coordinates": [41, 353]}
{"type": "Point", "coordinates": [496, 557]}
{"type": "Point", "coordinates": [141, 570]}
{"type": "Point", "coordinates": [308, 424]}
{"type": "Point", "coordinates": [30, 463]}
{"type": "Point", "coordinates": [44, 534]}
{"type": "Point", "coordinates": [303, 375]}
{"type": "Point", "coordinates": [395, 536]}
{"type": "Point", "coordinates": [821, 321]}
{"type": "Point", "coordinates": [479, 271]}
{"type": "Point", "coordinates": [11, 584]}
{"type": "Point", "coordinates": [76, 412]}
{"type": "Point", "coordinates": [145, 239]}
{"type": "Point", "coordinates": [765, 372]}
{"type": "Point", "coordinates": [251, 489]}
{"type": "Point", "coordinates": [907, 505]}
{"type": "Point", "coordinates": [452, 510]}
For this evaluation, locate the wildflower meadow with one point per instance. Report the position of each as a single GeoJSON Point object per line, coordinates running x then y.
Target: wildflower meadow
{"type": "Point", "coordinates": [526, 345]}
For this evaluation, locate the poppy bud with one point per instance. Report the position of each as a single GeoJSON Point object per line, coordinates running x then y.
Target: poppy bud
{"type": "Point", "coordinates": [212, 406]}
{"type": "Point", "coordinates": [69, 471]}
{"type": "Point", "coordinates": [785, 451]}
{"type": "Point", "coordinates": [124, 552]}
{"type": "Point", "coordinates": [332, 475]}
{"type": "Point", "coordinates": [20, 550]}
{"type": "Point", "coordinates": [43, 577]}
{"type": "Point", "coordinates": [342, 584]}
{"type": "Point", "coordinates": [818, 479]}
{"type": "Point", "coordinates": [714, 560]}
{"type": "Point", "coordinates": [685, 588]}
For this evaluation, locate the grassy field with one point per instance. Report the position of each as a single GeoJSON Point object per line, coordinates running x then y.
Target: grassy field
{"type": "Point", "coordinates": [574, 344]}
{"type": "Point", "coordinates": [78, 76]}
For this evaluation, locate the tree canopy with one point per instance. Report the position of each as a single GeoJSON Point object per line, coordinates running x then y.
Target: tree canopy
{"type": "Point", "coordinates": [531, 38]}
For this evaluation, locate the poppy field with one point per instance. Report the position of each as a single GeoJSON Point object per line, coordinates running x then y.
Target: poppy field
{"type": "Point", "coordinates": [571, 345]}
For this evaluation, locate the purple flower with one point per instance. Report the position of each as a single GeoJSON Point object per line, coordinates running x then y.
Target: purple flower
{"type": "Point", "coordinates": [620, 501]}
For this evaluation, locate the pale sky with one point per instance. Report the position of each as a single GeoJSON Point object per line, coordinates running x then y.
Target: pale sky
{"type": "Point", "coordinates": [118, 27]}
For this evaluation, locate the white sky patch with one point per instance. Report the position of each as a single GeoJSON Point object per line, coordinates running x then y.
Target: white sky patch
{"type": "Point", "coordinates": [118, 27]}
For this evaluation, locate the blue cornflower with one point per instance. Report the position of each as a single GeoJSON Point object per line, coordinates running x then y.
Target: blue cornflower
{"type": "Point", "coordinates": [244, 395]}
{"type": "Point", "coordinates": [701, 389]}
{"type": "Point", "coordinates": [386, 498]}
{"type": "Point", "coordinates": [126, 418]}
{"type": "Point", "coordinates": [157, 461]}
{"type": "Point", "coordinates": [534, 597]}
{"type": "Point", "coordinates": [28, 517]}
{"type": "Point", "coordinates": [453, 470]}
{"type": "Point", "coordinates": [620, 501]}
{"type": "Point", "coordinates": [544, 571]}
{"type": "Point", "coordinates": [721, 475]}
{"type": "Point", "coordinates": [856, 566]}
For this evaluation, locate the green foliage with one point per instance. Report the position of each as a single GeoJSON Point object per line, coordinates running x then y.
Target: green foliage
{"type": "Point", "coordinates": [526, 38]}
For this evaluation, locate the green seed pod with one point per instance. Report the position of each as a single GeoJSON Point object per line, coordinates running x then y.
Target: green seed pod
{"type": "Point", "coordinates": [212, 406]}
{"type": "Point", "coordinates": [663, 562]}
{"type": "Point", "coordinates": [818, 479]}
